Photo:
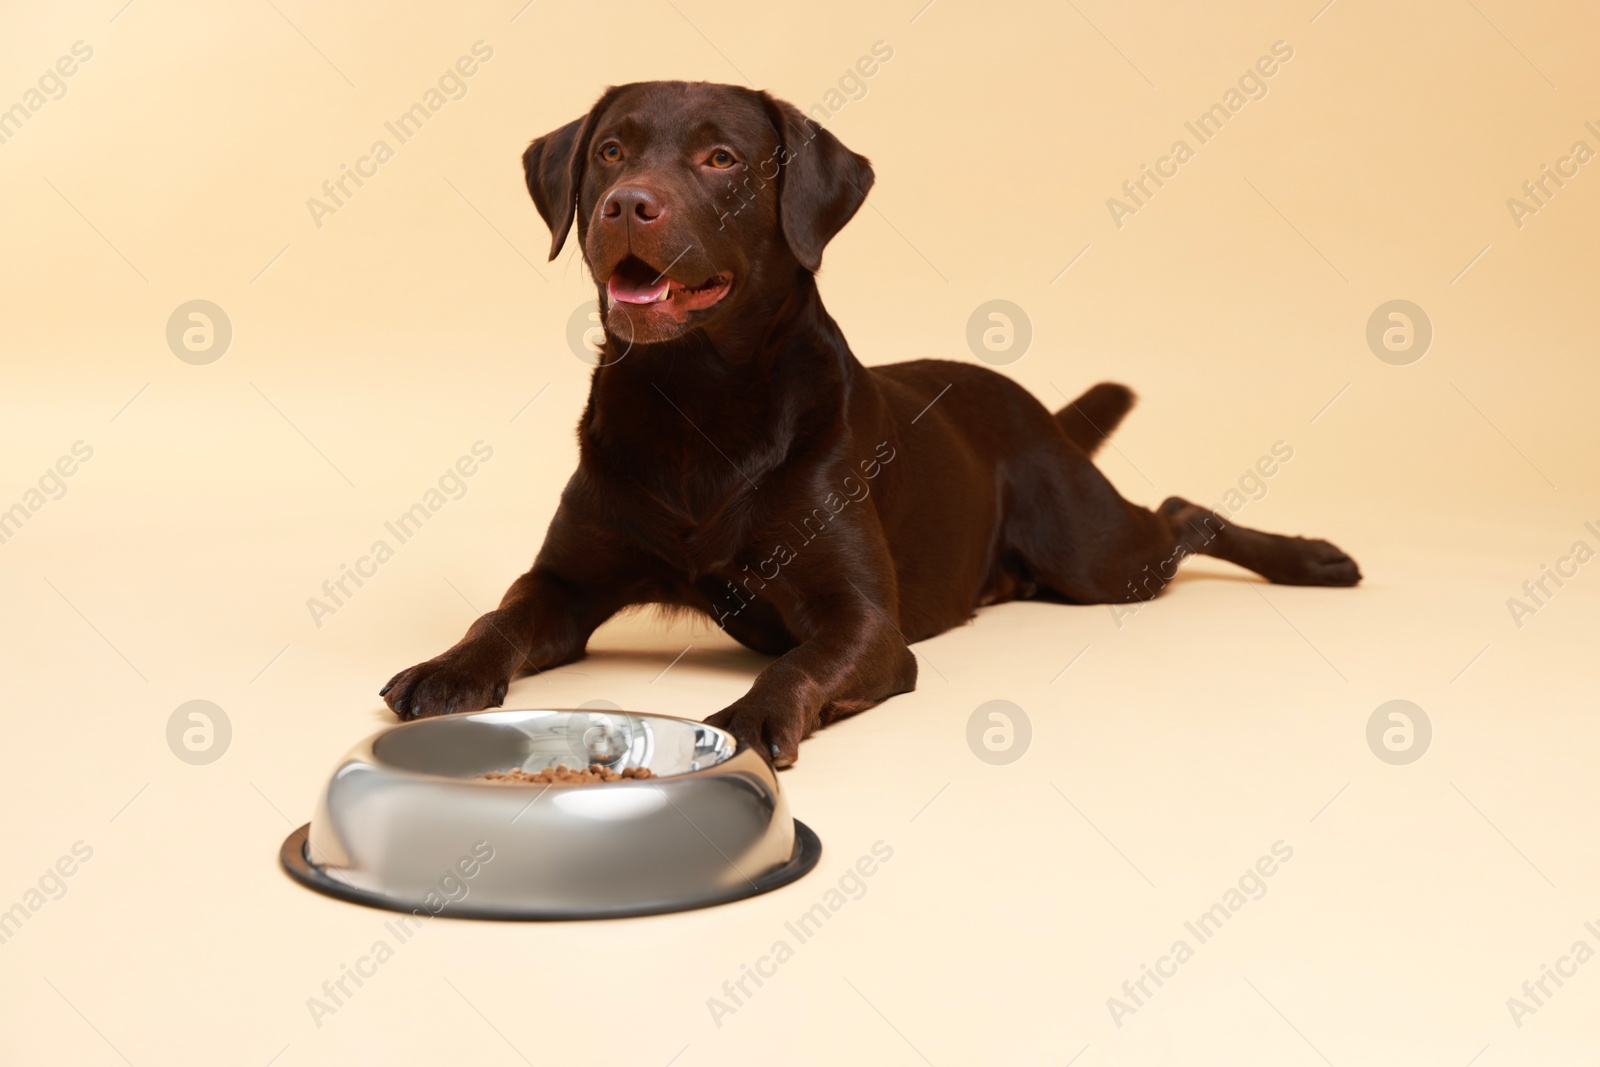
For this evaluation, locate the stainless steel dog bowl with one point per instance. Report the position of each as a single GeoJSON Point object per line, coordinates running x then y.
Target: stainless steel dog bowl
{"type": "Point", "coordinates": [403, 824]}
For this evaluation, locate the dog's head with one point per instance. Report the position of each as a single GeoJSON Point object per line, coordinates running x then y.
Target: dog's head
{"type": "Point", "coordinates": [694, 202]}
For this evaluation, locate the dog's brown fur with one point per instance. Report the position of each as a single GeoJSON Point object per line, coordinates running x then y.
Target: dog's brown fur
{"type": "Point", "coordinates": [739, 461]}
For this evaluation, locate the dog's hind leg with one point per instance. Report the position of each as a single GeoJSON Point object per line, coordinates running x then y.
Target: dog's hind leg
{"type": "Point", "coordinates": [1074, 535]}
{"type": "Point", "coordinates": [1276, 557]}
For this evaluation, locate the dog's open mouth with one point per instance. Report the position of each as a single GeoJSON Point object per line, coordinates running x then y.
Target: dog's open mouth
{"type": "Point", "coordinates": [635, 282]}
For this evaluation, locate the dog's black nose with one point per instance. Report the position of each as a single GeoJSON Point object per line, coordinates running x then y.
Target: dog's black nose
{"type": "Point", "coordinates": [636, 200]}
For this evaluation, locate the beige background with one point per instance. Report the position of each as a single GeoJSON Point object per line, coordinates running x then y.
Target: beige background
{"type": "Point", "coordinates": [370, 353]}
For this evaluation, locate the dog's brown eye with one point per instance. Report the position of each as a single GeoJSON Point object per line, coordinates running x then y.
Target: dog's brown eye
{"type": "Point", "coordinates": [611, 153]}
{"type": "Point", "coordinates": [721, 159]}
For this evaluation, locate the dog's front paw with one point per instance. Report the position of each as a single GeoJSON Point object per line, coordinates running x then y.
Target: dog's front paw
{"type": "Point", "coordinates": [775, 732]}
{"type": "Point", "coordinates": [442, 686]}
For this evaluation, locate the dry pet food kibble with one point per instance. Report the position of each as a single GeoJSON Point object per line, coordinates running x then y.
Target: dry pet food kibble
{"type": "Point", "coordinates": [560, 775]}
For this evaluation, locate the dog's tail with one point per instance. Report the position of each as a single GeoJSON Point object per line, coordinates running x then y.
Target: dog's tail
{"type": "Point", "coordinates": [1089, 420]}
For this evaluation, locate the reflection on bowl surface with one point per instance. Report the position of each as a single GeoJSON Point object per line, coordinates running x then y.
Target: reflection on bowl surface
{"type": "Point", "coordinates": [403, 824]}
{"type": "Point", "coordinates": [467, 746]}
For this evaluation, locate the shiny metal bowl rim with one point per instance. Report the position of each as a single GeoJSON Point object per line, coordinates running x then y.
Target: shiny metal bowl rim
{"type": "Point", "coordinates": [369, 742]}
{"type": "Point", "coordinates": [292, 854]}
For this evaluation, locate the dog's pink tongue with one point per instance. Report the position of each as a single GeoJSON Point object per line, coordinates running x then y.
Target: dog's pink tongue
{"type": "Point", "coordinates": [636, 292]}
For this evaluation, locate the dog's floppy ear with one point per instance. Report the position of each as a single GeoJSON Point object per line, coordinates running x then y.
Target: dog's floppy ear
{"type": "Point", "coordinates": [553, 166]}
{"type": "Point", "coordinates": [821, 182]}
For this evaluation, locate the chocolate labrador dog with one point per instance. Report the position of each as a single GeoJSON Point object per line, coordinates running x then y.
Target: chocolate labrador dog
{"type": "Point", "coordinates": [737, 460]}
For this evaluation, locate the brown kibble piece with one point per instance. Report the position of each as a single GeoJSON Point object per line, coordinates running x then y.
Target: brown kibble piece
{"type": "Point", "coordinates": [594, 774]}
